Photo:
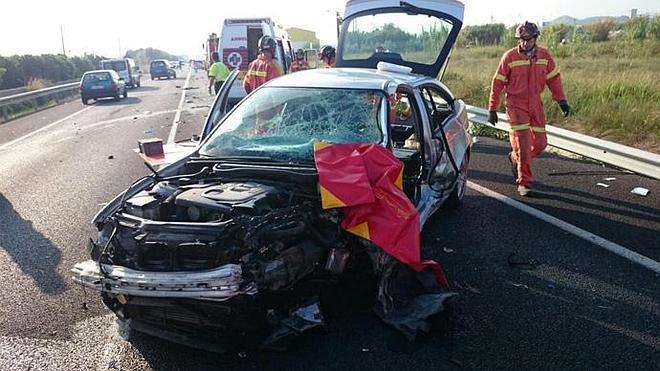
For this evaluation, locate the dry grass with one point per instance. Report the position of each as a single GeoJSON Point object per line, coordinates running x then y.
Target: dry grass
{"type": "Point", "coordinates": [37, 83]}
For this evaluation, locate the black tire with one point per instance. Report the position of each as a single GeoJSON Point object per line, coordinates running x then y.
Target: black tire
{"type": "Point", "coordinates": [85, 101]}
{"type": "Point", "coordinates": [152, 78]}
{"type": "Point", "coordinates": [456, 197]}
{"type": "Point", "coordinates": [117, 96]}
{"type": "Point", "coordinates": [138, 84]}
{"type": "Point", "coordinates": [125, 93]}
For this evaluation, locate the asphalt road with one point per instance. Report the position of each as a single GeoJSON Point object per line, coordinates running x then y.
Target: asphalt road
{"type": "Point", "coordinates": [574, 306]}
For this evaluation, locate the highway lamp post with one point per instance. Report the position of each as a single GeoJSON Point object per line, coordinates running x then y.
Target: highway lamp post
{"type": "Point", "coordinates": [62, 37]}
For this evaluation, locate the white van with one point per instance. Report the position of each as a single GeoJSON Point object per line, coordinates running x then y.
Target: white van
{"type": "Point", "coordinates": [126, 68]}
{"type": "Point", "coordinates": [238, 46]}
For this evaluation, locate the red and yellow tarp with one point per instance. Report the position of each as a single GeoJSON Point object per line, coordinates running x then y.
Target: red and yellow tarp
{"type": "Point", "coordinates": [366, 180]}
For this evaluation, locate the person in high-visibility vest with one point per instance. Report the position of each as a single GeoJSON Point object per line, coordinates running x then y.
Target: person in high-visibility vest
{"type": "Point", "coordinates": [218, 73]}
{"type": "Point", "coordinates": [299, 64]}
{"type": "Point", "coordinates": [523, 73]}
{"type": "Point", "coordinates": [263, 68]}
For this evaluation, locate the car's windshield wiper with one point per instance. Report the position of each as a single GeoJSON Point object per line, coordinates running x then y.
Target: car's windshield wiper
{"type": "Point", "coordinates": [265, 159]}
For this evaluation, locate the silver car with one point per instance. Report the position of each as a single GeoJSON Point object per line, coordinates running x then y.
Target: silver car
{"type": "Point", "coordinates": [231, 241]}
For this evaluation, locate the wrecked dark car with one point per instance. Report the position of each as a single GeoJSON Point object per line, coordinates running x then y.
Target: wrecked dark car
{"type": "Point", "coordinates": [240, 238]}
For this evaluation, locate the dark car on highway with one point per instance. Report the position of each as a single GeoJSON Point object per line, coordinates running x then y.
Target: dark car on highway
{"type": "Point", "coordinates": [241, 240]}
{"type": "Point", "coordinates": [161, 68]}
{"type": "Point", "coordinates": [101, 84]}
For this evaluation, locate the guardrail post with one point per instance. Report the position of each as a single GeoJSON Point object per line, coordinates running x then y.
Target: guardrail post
{"type": "Point", "coordinates": [5, 114]}
{"type": "Point", "coordinates": [34, 104]}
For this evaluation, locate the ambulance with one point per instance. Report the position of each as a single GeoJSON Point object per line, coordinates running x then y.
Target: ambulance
{"type": "Point", "coordinates": [238, 46]}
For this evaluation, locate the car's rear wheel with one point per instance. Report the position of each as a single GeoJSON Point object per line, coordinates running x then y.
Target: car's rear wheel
{"type": "Point", "coordinates": [117, 95]}
{"type": "Point", "coordinates": [456, 197]}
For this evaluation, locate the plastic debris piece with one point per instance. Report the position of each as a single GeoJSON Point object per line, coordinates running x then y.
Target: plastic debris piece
{"type": "Point", "coordinates": [640, 191]}
{"type": "Point", "coordinates": [551, 285]}
{"type": "Point", "coordinates": [603, 185]}
{"type": "Point", "coordinates": [149, 131]}
{"type": "Point", "coordinates": [365, 349]}
{"type": "Point", "coordinates": [242, 355]}
{"type": "Point", "coordinates": [447, 250]}
{"type": "Point", "coordinates": [111, 157]}
{"type": "Point", "coordinates": [604, 307]}
{"type": "Point", "coordinates": [515, 262]}
{"type": "Point", "coordinates": [519, 285]}
{"type": "Point", "coordinates": [475, 140]}
{"type": "Point", "coordinates": [311, 313]}
{"type": "Point", "coordinates": [610, 179]}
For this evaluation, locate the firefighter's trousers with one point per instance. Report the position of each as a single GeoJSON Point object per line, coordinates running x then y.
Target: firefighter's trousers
{"type": "Point", "coordinates": [528, 140]}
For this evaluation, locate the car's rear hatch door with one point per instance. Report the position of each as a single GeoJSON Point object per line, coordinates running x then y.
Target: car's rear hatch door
{"type": "Point", "coordinates": [415, 33]}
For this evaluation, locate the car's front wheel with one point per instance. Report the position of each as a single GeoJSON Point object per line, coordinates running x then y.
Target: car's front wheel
{"type": "Point", "coordinates": [456, 196]}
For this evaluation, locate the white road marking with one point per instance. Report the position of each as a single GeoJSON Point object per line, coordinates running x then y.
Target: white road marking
{"type": "Point", "coordinates": [8, 144]}
{"type": "Point", "coordinates": [570, 228]}
{"type": "Point", "coordinates": [177, 115]}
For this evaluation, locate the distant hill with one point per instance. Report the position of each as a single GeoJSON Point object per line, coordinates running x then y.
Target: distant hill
{"type": "Point", "coordinates": [143, 56]}
{"type": "Point", "coordinates": [568, 20]}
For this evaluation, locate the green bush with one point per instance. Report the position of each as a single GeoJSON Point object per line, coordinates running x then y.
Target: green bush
{"type": "Point", "coordinates": [636, 28]}
{"type": "Point", "coordinates": [654, 27]}
{"type": "Point", "coordinates": [599, 31]}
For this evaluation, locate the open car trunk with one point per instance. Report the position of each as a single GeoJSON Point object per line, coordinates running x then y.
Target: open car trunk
{"type": "Point", "coordinates": [417, 33]}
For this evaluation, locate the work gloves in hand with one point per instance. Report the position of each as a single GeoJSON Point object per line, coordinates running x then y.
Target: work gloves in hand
{"type": "Point", "coordinates": [563, 104]}
{"type": "Point", "coordinates": [492, 117]}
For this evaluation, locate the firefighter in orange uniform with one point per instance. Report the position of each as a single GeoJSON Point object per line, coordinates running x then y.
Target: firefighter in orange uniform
{"type": "Point", "coordinates": [299, 64]}
{"type": "Point", "coordinates": [327, 56]}
{"type": "Point", "coordinates": [263, 68]}
{"type": "Point", "coordinates": [522, 74]}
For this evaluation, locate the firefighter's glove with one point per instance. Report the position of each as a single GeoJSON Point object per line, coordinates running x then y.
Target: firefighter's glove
{"type": "Point", "coordinates": [492, 117]}
{"type": "Point", "coordinates": [563, 104]}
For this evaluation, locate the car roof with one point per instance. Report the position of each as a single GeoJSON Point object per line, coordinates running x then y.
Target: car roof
{"type": "Point", "coordinates": [347, 78]}
{"type": "Point", "coordinates": [98, 71]}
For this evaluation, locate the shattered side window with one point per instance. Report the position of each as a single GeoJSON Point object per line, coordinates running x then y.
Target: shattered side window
{"type": "Point", "coordinates": [284, 123]}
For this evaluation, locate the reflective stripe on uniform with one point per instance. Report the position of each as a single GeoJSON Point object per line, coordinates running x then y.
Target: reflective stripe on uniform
{"type": "Point", "coordinates": [552, 74]}
{"type": "Point", "coordinates": [518, 63]}
{"type": "Point", "coordinates": [256, 73]}
{"type": "Point", "coordinates": [538, 129]}
{"type": "Point", "coordinates": [517, 127]}
{"type": "Point", "coordinates": [500, 77]}
{"type": "Point", "coordinates": [542, 61]}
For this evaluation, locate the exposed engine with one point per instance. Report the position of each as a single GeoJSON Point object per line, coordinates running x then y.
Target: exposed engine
{"type": "Point", "coordinates": [276, 237]}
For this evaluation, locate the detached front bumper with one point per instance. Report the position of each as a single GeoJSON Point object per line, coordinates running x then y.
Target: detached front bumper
{"type": "Point", "coordinates": [218, 284]}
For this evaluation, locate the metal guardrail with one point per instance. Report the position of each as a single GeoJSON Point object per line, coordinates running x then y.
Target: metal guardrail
{"type": "Point", "coordinates": [32, 96]}
{"type": "Point", "coordinates": [617, 155]}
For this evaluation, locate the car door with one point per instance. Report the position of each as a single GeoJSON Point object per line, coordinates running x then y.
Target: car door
{"type": "Point", "coordinates": [449, 137]}
{"type": "Point", "coordinates": [415, 33]}
{"type": "Point", "coordinates": [219, 108]}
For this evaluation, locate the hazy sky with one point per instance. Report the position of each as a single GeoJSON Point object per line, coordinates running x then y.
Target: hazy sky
{"type": "Point", "coordinates": [105, 28]}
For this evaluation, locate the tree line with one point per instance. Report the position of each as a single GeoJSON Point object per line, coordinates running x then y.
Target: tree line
{"type": "Point", "coordinates": [637, 28]}
{"type": "Point", "coordinates": [20, 70]}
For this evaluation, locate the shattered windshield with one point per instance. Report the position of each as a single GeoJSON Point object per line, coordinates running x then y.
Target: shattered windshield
{"type": "Point", "coordinates": [283, 123]}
